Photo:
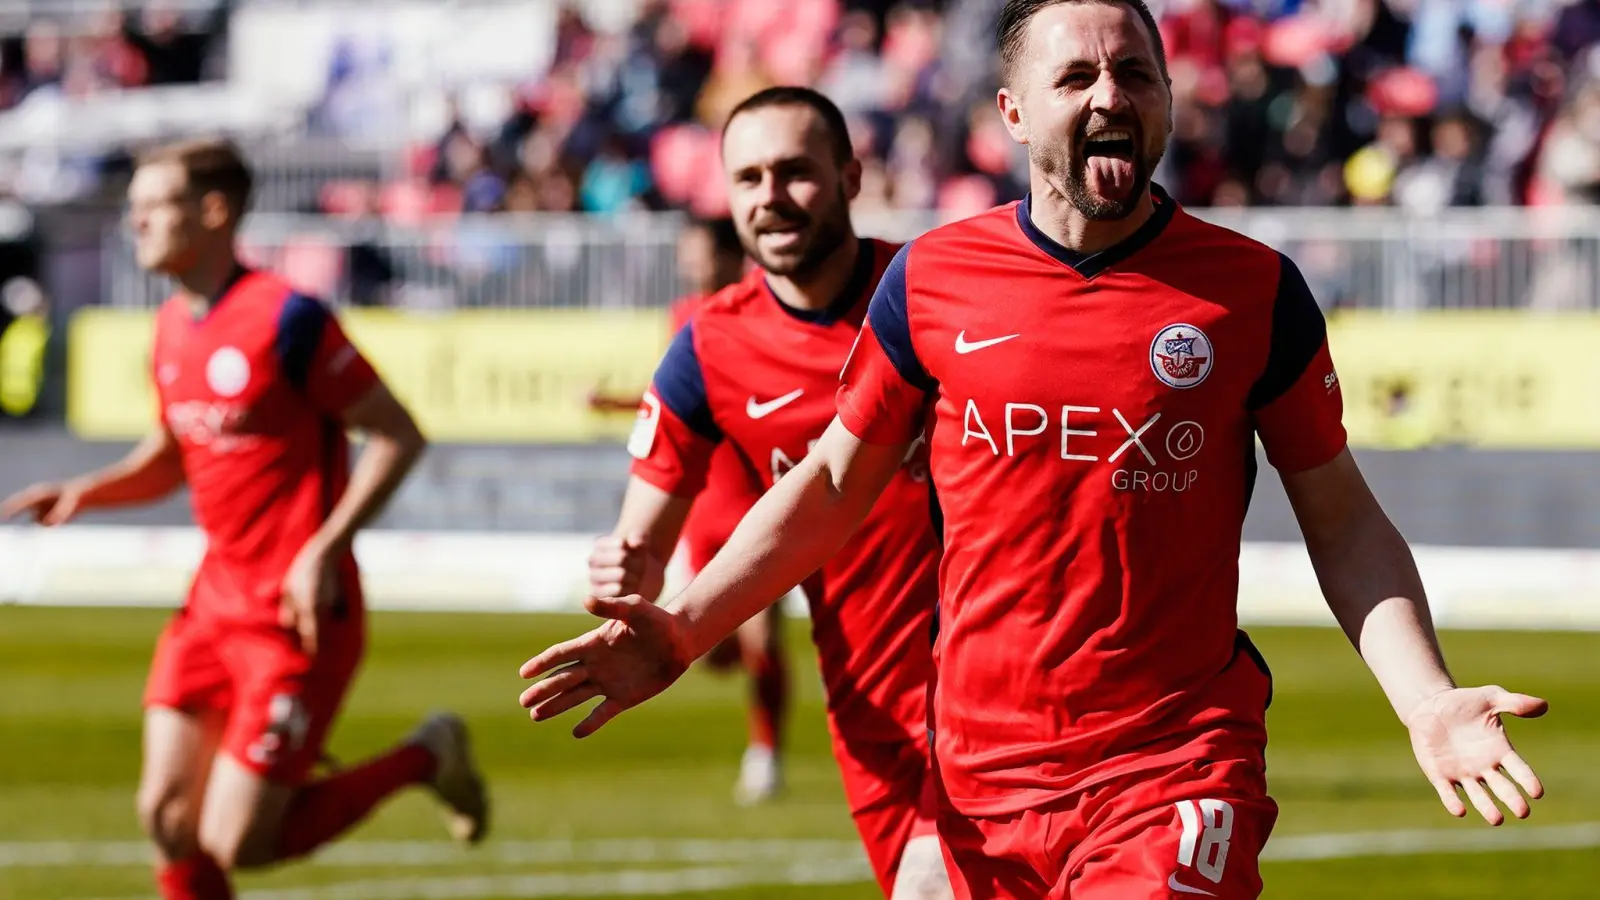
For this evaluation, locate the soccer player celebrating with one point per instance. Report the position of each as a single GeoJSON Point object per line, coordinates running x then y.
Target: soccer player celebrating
{"type": "Point", "coordinates": [257, 385]}
{"type": "Point", "coordinates": [756, 369]}
{"type": "Point", "coordinates": [1098, 365]}
{"type": "Point", "coordinates": [710, 257]}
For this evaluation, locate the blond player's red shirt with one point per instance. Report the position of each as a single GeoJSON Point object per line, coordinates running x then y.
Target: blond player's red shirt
{"type": "Point", "coordinates": [254, 392]}
{"type": "Point", "coordinates": [1093, 454]}
{"type": "Point", "coordinates": [753, 374]}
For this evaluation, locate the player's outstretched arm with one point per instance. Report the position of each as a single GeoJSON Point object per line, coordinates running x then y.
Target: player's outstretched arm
{"type": "Point", "coordinates": [785, 537]}
{"type": "Point", "coordinates": [151, 470]}
{"type": "Point", "coordinates": [796, 527]}
{"type": "Point", "coordinates": [632, 558]}
{"type": "Point", "coordinates": [1372, 586]}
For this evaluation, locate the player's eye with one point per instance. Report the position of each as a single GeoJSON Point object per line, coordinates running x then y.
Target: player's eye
{"type": "Point", "coordinates": [1076, 79]}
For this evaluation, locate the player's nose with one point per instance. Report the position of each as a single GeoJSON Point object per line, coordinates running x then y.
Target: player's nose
{"type": "Point", "coordinates": [1107, 95]}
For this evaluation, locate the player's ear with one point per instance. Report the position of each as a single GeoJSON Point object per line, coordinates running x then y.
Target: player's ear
{"type": "Point", "coordinates": [1011, 114]}
{"type": "Point", "coordinates": [214, 211]}
{"type": "Point", "coordinates": [850, 175]}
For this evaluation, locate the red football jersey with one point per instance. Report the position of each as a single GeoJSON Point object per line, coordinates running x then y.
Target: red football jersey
{"type": "Point", "coordinates": [1092, 455]}
{"type": "Point", "coordinates": [760, 377]}
{"type": "Point", "coordinates": [730, 489]}
{"type": "Point", "coordinates": [253, 392]}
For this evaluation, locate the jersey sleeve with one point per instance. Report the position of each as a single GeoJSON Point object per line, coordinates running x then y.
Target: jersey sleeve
{"type": "Point", "coordinates": [675, 433]}
{"type": "Point", "coordinates": [1296, 403]}
{"type": "Point", "coordinates": [884, 389]}
{"type": "Point", "coordinates": [317, 358]}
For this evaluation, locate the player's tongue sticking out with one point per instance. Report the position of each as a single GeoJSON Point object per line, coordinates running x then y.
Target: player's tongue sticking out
{"type": "Point", "coordinates": [1108, 162]}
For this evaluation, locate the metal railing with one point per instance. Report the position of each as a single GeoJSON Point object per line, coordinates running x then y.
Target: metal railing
{"type": "Point", "coordinates": [1508, 258]}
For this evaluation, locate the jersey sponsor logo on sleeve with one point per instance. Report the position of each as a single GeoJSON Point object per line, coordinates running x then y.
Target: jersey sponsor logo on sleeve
{"type": "Point", "coordinates": [228, 372]}
{"type": "Point", "coordinates": [963, 346]}
{"type": "Point", "coordinates": [758, 410]}
{"type": "Point", "coordinates": [643, 437]}
{"type": "Point", "coordinates": [1181, 356]}
{"type": "Point", "coordinates": [1330, 381]}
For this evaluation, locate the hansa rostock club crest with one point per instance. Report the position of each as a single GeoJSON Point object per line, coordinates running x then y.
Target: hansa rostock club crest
{"type": "Point", "coordinates": [1181, 356]}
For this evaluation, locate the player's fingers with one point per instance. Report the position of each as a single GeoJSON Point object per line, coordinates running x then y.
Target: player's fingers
{"type": "Point", "coordinates": [560, 680]}
{"type": "Point", "coordinates": [1521, 705]}
{"type": "Point", "coordinates": [1448, 796]}
{"type": "Point", "coordinates": [601, 575]}
{"type": "Point", "coordinates": [597, 718]}
{"type": "Point", "coordinates": [1507, 792]}
{"type": "Point", "coordinates": [627, 609]}
{"type": "Point", "coordinates": [1480, 800]}
{"type": "Point", "coordinates": [564, 701]}
{"type": "Point", "coordinates": [1523, 774]}
{"type": "Point", "coordinates": [60, 512]}
{"type": "Point", "coordinates": [606, 557]}
{"type": "Point", "coordinates": [557, 655]}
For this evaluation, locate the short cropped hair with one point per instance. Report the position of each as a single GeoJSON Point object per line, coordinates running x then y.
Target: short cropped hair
{"type": "Point", "coordinates": [1012, 32]}
{"type": "Point", "coordinates": [786, 95]}
{"type": "Point", "coordinates": [210, 164]}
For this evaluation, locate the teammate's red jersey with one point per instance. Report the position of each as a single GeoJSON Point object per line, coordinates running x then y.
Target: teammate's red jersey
{"type": "Point", "coordinates": [731, 489]}
{"type": "Point", "coordinates": [760, 376]}
{"type": "Point", "coordinates": [253, 392]}
{"type": "Point", "coordinates": [1092, 455]}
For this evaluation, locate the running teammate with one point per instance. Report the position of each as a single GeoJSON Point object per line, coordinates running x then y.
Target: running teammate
{"type": "Point", "coordinates": [710, 258]}
{"type": "Point", "coordinates": [756, 369]}
{"type": "Point", "coordinates": [257, 385]}
{"type": "Point", "coordinates": [1098, 366]}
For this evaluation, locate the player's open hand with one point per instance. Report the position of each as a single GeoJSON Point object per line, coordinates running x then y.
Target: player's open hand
{"type": "Point", "coordinates": [310, 588]}
{"type": "Point", "coordinates": [46, 504]}
{"type": "Point", "coordinates": [620, 566]}
{"type": "Point", "coordinates": [629, 659]}
{"type": "Point", "coordinates": [1459, 740]}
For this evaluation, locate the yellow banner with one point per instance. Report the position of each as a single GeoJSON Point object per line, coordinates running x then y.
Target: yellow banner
{"type": "Point", "coordinates": [1485, 379]}
{"type": "Point", "coordinates": [468, 376]}
{"type": "Point", "coordinates": [1501, 380]}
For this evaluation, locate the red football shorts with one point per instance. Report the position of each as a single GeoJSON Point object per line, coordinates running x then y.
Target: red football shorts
{"type": "Point", "coordinates": [892, 796]}
{"type": "Point", "coordinates": [1195, 830]}
{"type": "Point", "coordinates": [277, 702]}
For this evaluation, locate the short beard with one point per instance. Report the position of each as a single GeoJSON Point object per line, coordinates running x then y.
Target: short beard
{"type": "Point", "coordinates": [833, 229]}
{"type": "Point", "coordinates": [1092, 206]}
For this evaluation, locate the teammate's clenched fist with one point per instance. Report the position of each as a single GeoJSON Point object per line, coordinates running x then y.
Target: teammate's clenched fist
{"type": "Point", "coordinates": [619, 566]}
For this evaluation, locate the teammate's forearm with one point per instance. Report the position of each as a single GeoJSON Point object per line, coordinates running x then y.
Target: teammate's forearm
{"type": "Point", "coordinates": [652, 518]}
{"type": "Point", "coordinates": [151, 470]}
{"type": "Point", "coordinates": [795, 527]}
{"type": "Point", "coordinates": [382, 468]}
{"type": "Point", "coordinates": [1372, 586]}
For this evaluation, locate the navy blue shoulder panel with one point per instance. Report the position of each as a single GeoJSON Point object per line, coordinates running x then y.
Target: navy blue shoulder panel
{"type": "Point", "coordinates": [892, 326]}
{"type": "Point", "coordinates": [680, 383]}
{"type": "Point", "coordinates": [300, 327]}
{"type": "Point", "coordinates": [1298, 332]}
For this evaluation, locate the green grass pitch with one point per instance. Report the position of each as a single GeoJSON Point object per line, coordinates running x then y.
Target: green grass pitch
{"type": "Point", "coordinates": [644, 808]}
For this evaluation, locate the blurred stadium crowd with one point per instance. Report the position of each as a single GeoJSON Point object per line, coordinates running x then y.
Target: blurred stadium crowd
{"type": "Point", "coordinates": [1416, 103]}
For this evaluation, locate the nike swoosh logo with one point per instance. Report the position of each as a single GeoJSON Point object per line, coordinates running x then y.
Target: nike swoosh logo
{"type": "Point", "coordinates": [761, 410]}
{"type": "Point", "coordinates": [963, 347]}
{"type": "Point", "coordinates": [1173, 884]}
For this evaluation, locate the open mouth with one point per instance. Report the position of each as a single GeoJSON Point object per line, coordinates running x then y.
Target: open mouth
{"type": "Point", "coordinates": [1115, 143]}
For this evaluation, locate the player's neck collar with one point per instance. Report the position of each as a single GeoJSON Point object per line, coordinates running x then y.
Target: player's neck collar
{"type": "Point", "coordinates": [214, 302]}
{"type": "Point", "coordinates": [848, 298]}
{"type": "Point", "coordinates": [1091, 264]}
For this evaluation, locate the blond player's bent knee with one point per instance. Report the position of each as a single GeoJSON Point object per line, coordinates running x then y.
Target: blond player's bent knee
{"type": "Point", "coordinates": [922, 875]}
